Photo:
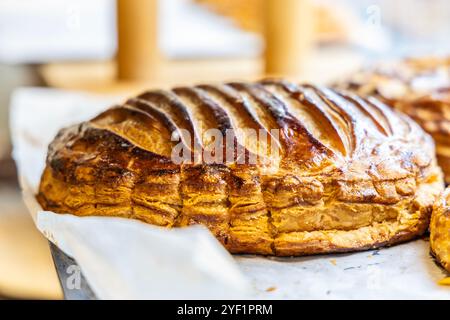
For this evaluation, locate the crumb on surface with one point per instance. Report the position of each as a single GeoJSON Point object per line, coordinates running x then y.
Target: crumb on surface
{"type": "Point", "coordinates": [270, 289]}
{"type": "Point", "coordinates": [333, 262]}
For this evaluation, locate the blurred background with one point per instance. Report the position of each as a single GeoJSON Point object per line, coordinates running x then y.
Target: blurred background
{"type": "Point", "coordinates": [119, 47]}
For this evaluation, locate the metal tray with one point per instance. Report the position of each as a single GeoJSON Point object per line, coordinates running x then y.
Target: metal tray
{"type": "Point", "coordinates": [67, 268]}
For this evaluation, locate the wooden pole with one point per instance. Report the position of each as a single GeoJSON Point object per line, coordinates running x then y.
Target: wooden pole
{"type": "Point", "coordinates": [138, 57]}
{"type": "Point", "coordinates": [289, 30]}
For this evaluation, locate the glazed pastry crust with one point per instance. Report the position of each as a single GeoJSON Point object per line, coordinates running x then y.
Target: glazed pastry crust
{"type": "Point", "coordinates": [351, 173]}
{"type": "Point", "coordinates": [440, 230]}
{"type": "Point", "coordinates": [418, 87]}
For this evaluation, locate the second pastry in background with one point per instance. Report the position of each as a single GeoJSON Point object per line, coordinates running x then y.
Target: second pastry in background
{"type": "Point", "coordinates": [419, 87]}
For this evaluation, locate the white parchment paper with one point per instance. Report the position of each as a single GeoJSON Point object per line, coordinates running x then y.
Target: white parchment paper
{"type": "Point", "coordinates": [123, 258]}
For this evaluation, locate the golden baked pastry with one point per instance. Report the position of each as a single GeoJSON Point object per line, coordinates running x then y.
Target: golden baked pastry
{"type": "Point", "coordinates": [440, 230]}
{"type": "Point", "coordinates": [420, 88]}
{"type": "Point", "coordinates": [349, 173]}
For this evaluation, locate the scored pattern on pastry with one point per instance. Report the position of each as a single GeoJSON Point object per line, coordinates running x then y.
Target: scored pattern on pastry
{"type": "Point", "coordinates": [348, 176]}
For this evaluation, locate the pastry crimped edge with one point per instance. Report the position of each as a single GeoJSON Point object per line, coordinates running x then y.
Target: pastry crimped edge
{"type": "Point", "coordinates": [364, 181]}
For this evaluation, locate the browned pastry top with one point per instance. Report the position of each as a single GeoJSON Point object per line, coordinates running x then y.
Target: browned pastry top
{"type": "Point", "coordinates": [350, 173]}
{"type": "Point", "coordinates": [322, 131]}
